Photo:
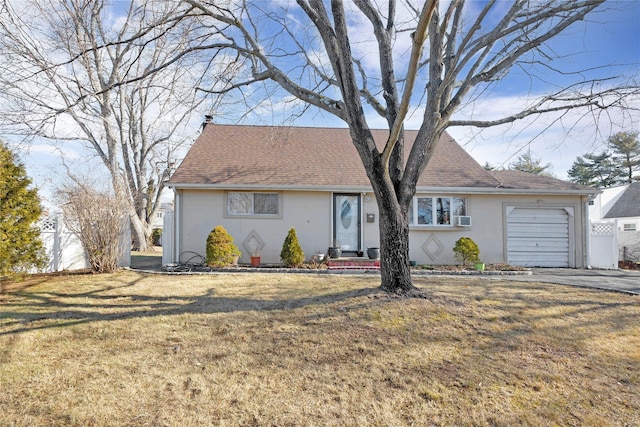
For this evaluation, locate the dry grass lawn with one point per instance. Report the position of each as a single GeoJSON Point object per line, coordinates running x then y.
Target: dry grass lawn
{"type": "Point", "coordinates": [132, 349]}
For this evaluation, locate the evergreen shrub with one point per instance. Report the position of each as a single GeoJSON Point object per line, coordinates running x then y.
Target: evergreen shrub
{"type": "Point", "coordinates": [466, 251]}
{"type": "Point", "coordinates": [221, 250]}
{"type": "Point", "coordinates": [156, 234]}
{"type": "Point", "coordinates": [291, 253]}
{"type": "Point", "coordinates": [21, 248]}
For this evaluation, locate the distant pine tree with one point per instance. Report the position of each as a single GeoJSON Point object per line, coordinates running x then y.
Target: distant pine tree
{"type": "Point", "coordinates": [626, 155]}
{"type": "Point", "coordinates": [20, 244]}
{"type": "Point", "coordinates": [596, 170]}
{"type": "Point", "coordinates": [618, 165]}
{"type": "Point", "coordinates": [526, 163]}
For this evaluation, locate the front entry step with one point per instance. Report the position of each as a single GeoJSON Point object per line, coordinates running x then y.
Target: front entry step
{"type": "Point", "coordinates": [353, 264]}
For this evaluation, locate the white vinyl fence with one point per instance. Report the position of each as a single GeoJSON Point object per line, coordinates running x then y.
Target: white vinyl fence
{"type": "Point", "coordinates": [64, 250]}
{"type": "Point", "coordinates": [62, 247]}
{"type": "Point", "coordinates": [604, 244]}
{"type": "Point", "coordinates": [629, 245]}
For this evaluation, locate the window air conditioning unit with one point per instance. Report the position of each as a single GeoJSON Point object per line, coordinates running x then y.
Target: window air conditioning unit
{"type": "Point", "coordinates": [463, 221]}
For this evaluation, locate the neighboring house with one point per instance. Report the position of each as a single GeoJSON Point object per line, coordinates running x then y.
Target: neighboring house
{"type": "Point", "coordinates": [258, 181]}
{"type": "Point", "coordinates": [158, 220]}
{"type": "Point", "coordinates": [621, 205]}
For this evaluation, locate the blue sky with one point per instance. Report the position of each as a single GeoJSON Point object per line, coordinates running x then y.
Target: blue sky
{"type": "Point", "coordinates": [611, 37]}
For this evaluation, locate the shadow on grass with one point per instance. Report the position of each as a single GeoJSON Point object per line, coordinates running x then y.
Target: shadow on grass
{"type": "Point", "coordinates": [521, 309]}
{"type": "Point", "coordinates": [55, 309]}
{"type": "Point", "coordinates": [68, 309]}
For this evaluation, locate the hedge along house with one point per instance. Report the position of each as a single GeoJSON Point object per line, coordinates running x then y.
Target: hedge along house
{"type": "Point", "coordinates": [259, 181]}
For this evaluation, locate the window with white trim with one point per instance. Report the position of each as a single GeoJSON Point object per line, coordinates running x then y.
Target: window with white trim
{"type": "Point", "coordinates": [436, 210]}
{"type": "Point", "coordinates": [629, 227]}
{"type": "Point", "coordinates": [253, 204]}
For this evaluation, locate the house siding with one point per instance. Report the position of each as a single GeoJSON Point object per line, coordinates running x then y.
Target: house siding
{"type": "Point", "coordinates": [308, 212]}
{"type": "Point", "coordinates": [488, 229]}
{"type": "Point", "coordinates": [311, 212]}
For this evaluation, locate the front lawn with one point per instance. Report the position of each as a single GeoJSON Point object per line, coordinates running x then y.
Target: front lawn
{"type": "Point", "coordinates": [133, 349]}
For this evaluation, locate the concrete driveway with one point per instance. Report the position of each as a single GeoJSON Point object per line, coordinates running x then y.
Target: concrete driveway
{"type": "Point", "coordinates": [612, 280]}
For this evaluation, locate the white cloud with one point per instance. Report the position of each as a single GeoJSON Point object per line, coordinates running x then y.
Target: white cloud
{"type": "Point", "coordinates": [553, 138]}
{"type": "Point", "coordinates": [55, 150]}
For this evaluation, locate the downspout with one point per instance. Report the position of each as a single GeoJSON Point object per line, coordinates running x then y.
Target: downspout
{"type": "Point", "coordinates": [176, 220]}
{"type": "Point", "coordinates": [587, 230]}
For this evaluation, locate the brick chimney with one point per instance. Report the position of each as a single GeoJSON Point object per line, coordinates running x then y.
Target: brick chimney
{"type": "Point", "coordinates": [207, 119]}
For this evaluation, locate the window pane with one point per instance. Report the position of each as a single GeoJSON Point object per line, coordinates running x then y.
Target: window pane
{"type": "Point", "coordinates": [459, 207]}
{"type": "Point", "coordinates": [239, 203]}
{"type": "Point", "coordinates": [425, 210]}
{"type": "Point", "coordinates": [443, 210]}
{"type": "Point", "coordinates": [265, 204]}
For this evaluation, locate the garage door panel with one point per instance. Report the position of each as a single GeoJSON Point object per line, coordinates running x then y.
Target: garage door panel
{"type": "Point", "coordinates": [538, 237]}
{"type": "Point", "coordinates": [539, 221]}
{"type": "Point", "coordinates": [533, 257]}
{"type": "Point", "coordinates": [556, 246]}
{"type": "Point", "coordinates": [528, 262]}
{"type": "Point", "coordinates": [527, 232]}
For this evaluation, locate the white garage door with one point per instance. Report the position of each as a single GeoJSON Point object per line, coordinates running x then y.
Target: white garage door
{"type": "Point", "coordinates": [538, 237]}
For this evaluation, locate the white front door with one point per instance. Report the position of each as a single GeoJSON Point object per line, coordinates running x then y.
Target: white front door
{"type": "Point", "coordinates": [347, 231]}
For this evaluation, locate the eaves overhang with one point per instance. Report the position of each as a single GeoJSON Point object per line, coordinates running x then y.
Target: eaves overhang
{"type": "Point", "coordinates": [368, 189]}
{"type": "Point", "coordinates": [264, 187]}
{"type": "Point", "coordinates": [512, 191]}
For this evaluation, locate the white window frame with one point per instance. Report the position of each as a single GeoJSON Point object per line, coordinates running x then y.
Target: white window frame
{"type": "Point", "coordinates": [248, 210]}
{"type": "Point", "coordinates": [413, 218]}
{"type": "Point", "coordinates": [630, 226]}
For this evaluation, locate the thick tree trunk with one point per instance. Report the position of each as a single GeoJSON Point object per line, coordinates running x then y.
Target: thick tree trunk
{"type": "Point", "coordinates": [139, 235]}
{"type": "Point", "coordinates": [394, 243]}
{"type": "Point", "coordinates": [394, 252]}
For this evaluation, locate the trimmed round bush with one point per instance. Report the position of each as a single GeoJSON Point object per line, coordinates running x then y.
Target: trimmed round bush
{"type": "Point", "coordinates": [221, 250]}
{"type": "Point", "coordinates": [466, 251]}
{"type": "Point", "coordinates": [291, 253]}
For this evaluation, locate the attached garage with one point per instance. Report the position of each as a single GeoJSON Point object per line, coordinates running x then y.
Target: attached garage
{"type": "Point", "coordinates": [540, 237]}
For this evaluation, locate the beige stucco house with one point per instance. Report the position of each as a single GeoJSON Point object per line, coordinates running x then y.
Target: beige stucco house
{"type": "Point", "coordinates": [259, 181]}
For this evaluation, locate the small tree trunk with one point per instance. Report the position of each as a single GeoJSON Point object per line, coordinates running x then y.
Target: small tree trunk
{"type": "Point", "coordinates": [394, 250]}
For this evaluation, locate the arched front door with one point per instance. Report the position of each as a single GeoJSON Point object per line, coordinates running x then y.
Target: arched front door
{"type": "Point", "coordinates": [347, 224]}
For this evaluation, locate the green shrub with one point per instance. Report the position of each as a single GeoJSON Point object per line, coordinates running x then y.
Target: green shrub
{"type": "Point", "coordinates": [156, 234]}
{"type": "Point", "coordinates": [291, 253]}
{"type": "Point", "coordinates": [221, 250]}
{"type": "Point", "coordinates": [20, 245]}
{"type": "Point", "coordinates": [466, 251]}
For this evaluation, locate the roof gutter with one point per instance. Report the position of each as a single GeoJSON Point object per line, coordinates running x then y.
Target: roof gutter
{"type": "Point", "coordinates": [263, 187]}
{"type": "Point", "coordinates": [362, 189]}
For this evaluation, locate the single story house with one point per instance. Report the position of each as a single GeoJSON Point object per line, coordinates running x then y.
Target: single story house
{"type": "Point", "coordinates": [622, 205]}
{"type": "Point", "coordinates": [259, 181]}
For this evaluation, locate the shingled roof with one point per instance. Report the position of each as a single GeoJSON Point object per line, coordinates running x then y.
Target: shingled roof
{"type": "Point", "coordinates": [628, 204]}
{"type": "Point", "coordinates": [235, 156]}
{"type": "Point", "coordinates": [515, 179]}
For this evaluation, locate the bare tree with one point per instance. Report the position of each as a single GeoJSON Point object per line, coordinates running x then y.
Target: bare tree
{"type": "Point", "coordinates": [355, 61]}
{"type": "Point", "coordinates": [81, 70]}
{"type": "Point", "coordinates": [98, 219]}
